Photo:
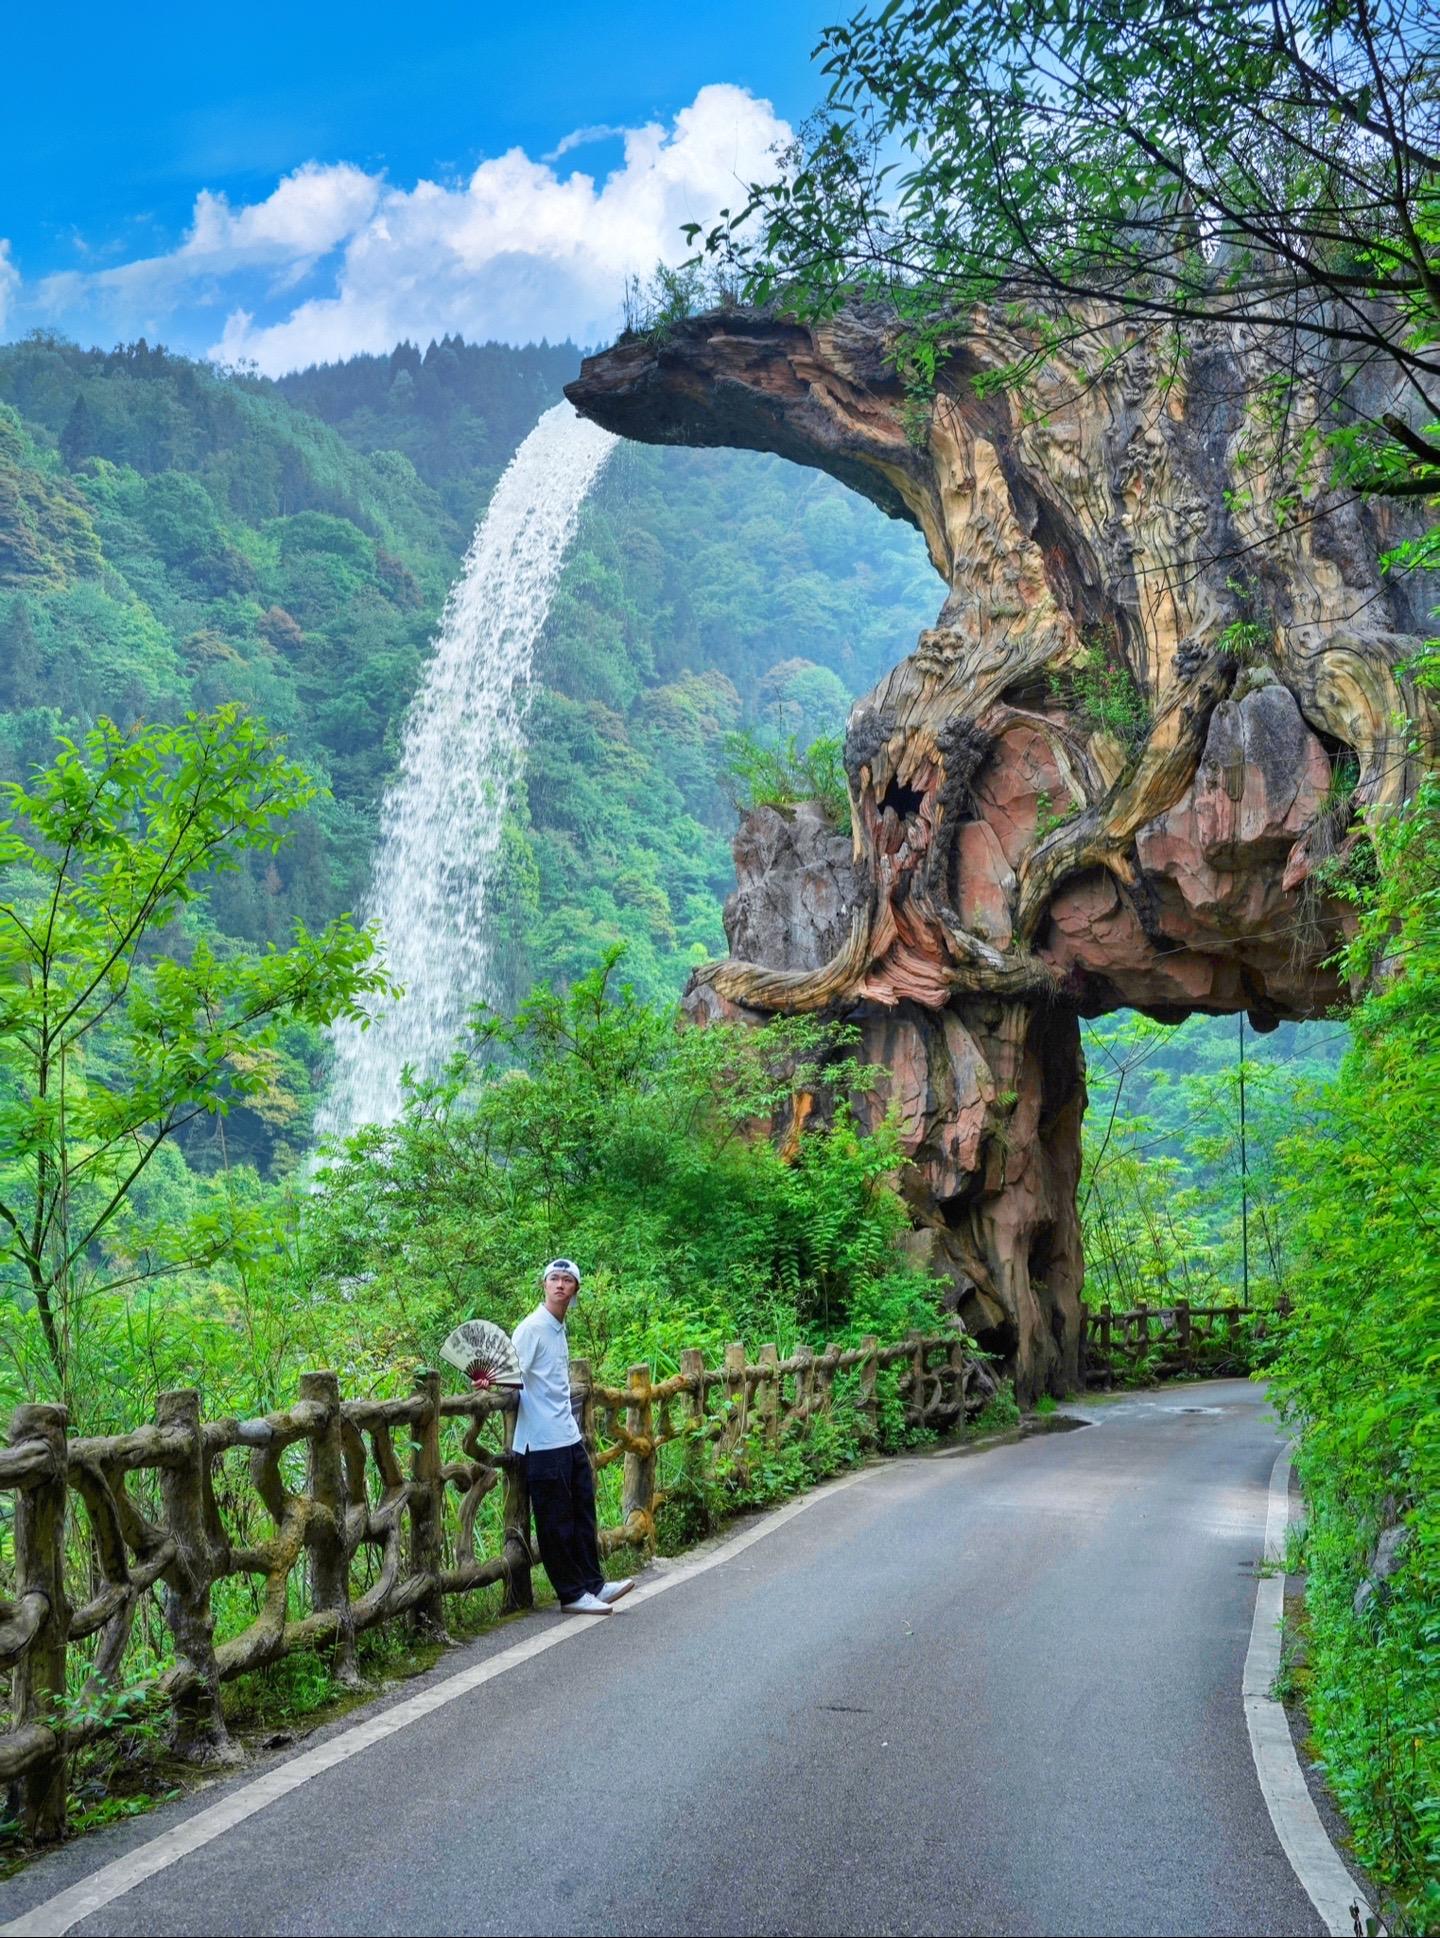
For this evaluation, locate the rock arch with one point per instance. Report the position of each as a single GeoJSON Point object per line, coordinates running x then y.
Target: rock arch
{"type": "Point", "coordinates": [1155, 699]}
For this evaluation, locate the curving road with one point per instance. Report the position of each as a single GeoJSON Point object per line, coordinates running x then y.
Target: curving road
{"type": "Point", "coordinates": [993, 1692]}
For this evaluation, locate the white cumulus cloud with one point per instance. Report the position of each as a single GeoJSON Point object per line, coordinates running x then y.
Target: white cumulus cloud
{"type": "Point", "coordinates": [337, 260]}
{"type": "Point", "coordinates": [582, 138]}
{"type": "Point", "coordinates": [521, 250]}
{"type": "Point", "coordinates": [306, 217]}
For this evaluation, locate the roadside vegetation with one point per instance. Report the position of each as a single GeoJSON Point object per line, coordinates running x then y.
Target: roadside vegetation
{"type": "Point", "coordinates": [1359, 1372]}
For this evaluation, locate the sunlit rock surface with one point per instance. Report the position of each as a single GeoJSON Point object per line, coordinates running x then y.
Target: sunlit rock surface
{"type": "Point", "coordinates": [1153, 700]}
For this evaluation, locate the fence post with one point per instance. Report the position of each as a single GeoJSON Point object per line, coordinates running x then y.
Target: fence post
{"type": "Point", "coordinates": [692, 1365]}
{"type": "Point", "coordinates": [329, 1561]}
{"type": "Point", "coordinates": [582, 1401]}
{"type": "Point", "coordinates": [767, 1393]}
{"type": "Point", "coordinates": [866, 1405]}
{"type": "Point", "coordinates": [1107, 1321]}
{"type": "Point", "coordinates": [734, 1431]}
{"type": "Point", "coordinates": [39, 1677]}
{"type": "Point", "coordinates": [1182, 1331]}
{"type": "Point", "coordinates": [825, 1378]}
{"type": "Point", "coordinates": [915, 1407]}
{"type": "Point", "coordinates": [198, 1731]}
{"type": "Point", "coordinates": [638, 1484]}
{"type": "Point", "coordinates": [427, 1494]}
{"type": "Point", "coordinates": [956, 1361]}
{"type": "Point", "coordinates": [804, 1386]}
{"type": "Point", "coordinates": [519, 1557]}
{"type": "Point", "coordinates": [1142, 1328]}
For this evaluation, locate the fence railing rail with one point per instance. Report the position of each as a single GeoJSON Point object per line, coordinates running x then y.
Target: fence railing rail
{"type": "Point", "coordinates": [1169, 1339]}
{"type": "Point", "coordinates": [353, 1531]}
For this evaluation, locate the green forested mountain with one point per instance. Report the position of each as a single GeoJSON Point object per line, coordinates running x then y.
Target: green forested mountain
{"type": "Point", "coordinates": [1184, 1193]}
{"type": "Point", "coordinates": [171, 537]}
{"type": "Point", "coordinates": [457, 410]}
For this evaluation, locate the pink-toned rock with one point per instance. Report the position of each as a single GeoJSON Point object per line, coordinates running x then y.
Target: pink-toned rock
{"type": "Point", "coordinates": [965, 1101]}
{"type": "Point", "coordinates": [1097, 940]}
{"type": "Point", "coordinates": [1018, 782]}
{"type": "Point", "coordinates": [986, 883]}
{"type": "Point", "coordinates": [1261, 781]}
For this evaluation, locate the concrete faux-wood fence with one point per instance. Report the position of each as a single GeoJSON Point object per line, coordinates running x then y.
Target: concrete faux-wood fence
{"type": "Point", "coordinates": [1163, 1341]}
{"type": "Point", "coordinates": [339, 1503]}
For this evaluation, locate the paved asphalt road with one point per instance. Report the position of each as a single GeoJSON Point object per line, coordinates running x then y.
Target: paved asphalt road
{"type": "Point", "coordinates": [989, 1693]}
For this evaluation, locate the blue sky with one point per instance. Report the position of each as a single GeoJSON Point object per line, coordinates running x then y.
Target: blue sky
{"type": "Point", "coordinates": [297, 181]}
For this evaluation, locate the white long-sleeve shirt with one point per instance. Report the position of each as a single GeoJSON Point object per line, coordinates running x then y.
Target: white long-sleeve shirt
{"type": "Point", "coordinates": [545, 1418]}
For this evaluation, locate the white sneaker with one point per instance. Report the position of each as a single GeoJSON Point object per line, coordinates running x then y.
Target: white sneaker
{"type": "Point", "coordinates": [613, 1590]}
{"type": "Point", "coordinates": [587, 1605]}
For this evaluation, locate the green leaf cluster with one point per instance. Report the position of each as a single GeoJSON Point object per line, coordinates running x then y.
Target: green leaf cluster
{"type": "Point", "coordinates": [771, 774]}
{"type": "Point", "coordinates": [1137, 162]}
{"type": "Point", "coordinates": [123, 1017]}
{"type": "Point", "coordinates": [586, 1124]}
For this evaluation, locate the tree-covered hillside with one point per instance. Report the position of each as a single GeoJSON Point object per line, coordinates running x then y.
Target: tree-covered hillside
{"type": "Point", "coordinates": [172, 537]}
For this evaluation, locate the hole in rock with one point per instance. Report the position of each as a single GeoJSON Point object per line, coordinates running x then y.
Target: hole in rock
{"type": "Point", "coordinates": [1178, 1200]}
{"type": "Point", "coordinates": [1002, 1340]}
{"type": "Point", "coordinates": [906, 801]}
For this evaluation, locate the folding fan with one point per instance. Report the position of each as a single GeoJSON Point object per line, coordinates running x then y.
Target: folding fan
{"type": "Point", "coordinates": [481, 1347]}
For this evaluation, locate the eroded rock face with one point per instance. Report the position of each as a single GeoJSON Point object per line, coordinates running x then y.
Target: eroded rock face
{"type": "Point", "coordinates": [1151, 703]}
{"type": "Point", "coordinates": [796, 888]}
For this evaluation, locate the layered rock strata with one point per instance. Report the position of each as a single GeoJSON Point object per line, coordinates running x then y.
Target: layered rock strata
{"type": "Point", "coordinates": [1119, 770]}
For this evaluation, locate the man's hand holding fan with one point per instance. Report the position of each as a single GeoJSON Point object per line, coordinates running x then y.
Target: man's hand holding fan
{"type": "Point", "coordinates": [484, 1353]}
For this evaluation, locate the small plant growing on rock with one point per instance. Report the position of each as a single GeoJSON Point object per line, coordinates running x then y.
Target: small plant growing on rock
{"type": "Point", "coordinates": [1244, 640]}
{"type": "Point", "coordinates": [1046, 819]}
{"type": "Point", "coordinates": [783, 773]}
{"type": "Point", "coordinates": [1100, 687]}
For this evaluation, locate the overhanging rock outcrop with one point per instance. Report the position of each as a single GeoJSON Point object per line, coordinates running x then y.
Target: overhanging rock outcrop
{"type": "Point", "coordinates": [1120, 769]}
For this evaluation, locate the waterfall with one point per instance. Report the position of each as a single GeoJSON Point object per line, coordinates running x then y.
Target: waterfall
{"type": "Point", "coordinates": [463, 750]}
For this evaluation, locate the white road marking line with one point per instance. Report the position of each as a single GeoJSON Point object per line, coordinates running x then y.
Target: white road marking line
{"type": "Point", "coordinates": [80, 1901]}
{"type": "Point", "coordinates": [1313, 1858]}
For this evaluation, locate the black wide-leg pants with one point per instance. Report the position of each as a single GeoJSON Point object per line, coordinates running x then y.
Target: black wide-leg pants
{"type": "Point", "coordinates": [562, 1496]}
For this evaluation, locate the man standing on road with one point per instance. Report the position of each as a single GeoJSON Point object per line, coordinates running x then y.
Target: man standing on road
{"type": "Point", "coordinates": [557, 1464]}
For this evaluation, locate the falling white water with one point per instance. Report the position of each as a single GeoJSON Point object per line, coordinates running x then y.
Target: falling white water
{"type": "Point", "coordinates": [464, 748]}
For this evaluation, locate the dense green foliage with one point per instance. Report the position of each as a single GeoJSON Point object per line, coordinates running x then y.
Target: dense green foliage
{"type": "Point", "coordinates": [1174, 1202]}
{"type": "Point", "coordinates": [1360, 1375]}
{"type": "Point", "coordinates": [588, 1125]}
{"type": "Point", "coordinates": [123, 1016]}
{"type": "Point", "coordinates": [1277, 167]}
